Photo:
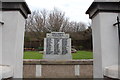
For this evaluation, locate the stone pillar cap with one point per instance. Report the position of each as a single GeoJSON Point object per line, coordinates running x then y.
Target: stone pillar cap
{"type": "Point", "coordinates": [103, 6]}
{"type": "Point", "coordinates": [106, 0]}
{"type": "Point", "coordinates": [12, 0]}
{"type": "Point", "coordinates": [16, 5]}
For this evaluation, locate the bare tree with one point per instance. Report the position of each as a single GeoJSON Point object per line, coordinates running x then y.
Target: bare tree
{"type": "Point", "coordinates": [35, 24]}
{"type": "Point", "coordinates": [74, 27]}
{"type": "Point", "coordinates": [56, 20]}
{"type": "Point", "coordinates": [41, 22]}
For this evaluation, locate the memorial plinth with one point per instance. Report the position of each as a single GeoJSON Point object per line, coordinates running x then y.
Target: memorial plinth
{"type": "Point", "coordinates": [57, 46]}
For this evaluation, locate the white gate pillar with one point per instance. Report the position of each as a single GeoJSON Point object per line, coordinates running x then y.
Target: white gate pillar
{"type": "Point", "coordinates": [0, 33]}
{"type": "Point", "coordinates": [105, 36]}
{"type": "Point", "coordinates": [14, 13]}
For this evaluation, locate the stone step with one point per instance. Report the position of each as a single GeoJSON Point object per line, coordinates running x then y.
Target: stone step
{"type": "Point", "coordinates": [112, 71]}
{"type": "Point", "coordinates": [6, 72]}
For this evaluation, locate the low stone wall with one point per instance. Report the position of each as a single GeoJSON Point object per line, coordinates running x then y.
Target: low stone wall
{"type": "Point", "coordinates": [58, 69]}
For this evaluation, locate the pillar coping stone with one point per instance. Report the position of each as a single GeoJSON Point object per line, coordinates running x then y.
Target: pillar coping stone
{"type": "Point", "coordinates": [16, 5]}
{"type": "Point", "coordinates": [103, 6]}
{"type": "Point", "coordinates": [106, 0]}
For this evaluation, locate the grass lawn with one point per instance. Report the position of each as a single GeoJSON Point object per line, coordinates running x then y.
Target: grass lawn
{"type": "Point", "coordinates": [82, 55]}
{"type": "Point", "coordinates": [78, 55]}
{"type": "Point", "coordinates": [32, 55]}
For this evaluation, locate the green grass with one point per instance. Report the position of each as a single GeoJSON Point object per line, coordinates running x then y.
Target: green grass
{"type": "Point", "coordinates": [82, 55]}
{"type": "Point", "coordinates": [78, 55]}
{"type": "Point", "coordinates": [32, 55]}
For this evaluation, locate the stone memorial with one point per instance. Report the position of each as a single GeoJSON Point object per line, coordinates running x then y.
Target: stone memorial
{"type": "Point", "coordinates": [57, 46]}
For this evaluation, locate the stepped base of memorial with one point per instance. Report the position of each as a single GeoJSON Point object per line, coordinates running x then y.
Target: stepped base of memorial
{"type": "Point", "coordinates": [58, 57]}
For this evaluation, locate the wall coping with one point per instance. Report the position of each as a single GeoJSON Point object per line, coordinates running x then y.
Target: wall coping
{"type": "Point", "coordinates": [97, 7]}
{"type": "Point", "coordinates": [60, 62]}
{"type": "Point", "coordinates": [16, 5]}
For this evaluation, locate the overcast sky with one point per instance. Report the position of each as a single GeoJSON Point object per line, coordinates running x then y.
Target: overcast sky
{"type": "Point", "coordinates": [74, 9]}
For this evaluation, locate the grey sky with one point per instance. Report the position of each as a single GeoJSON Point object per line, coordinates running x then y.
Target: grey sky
{"type": "Point", "coordinates": [74, 9]}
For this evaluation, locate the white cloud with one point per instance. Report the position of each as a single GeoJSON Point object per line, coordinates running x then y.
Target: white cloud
{"type": "Point", "coordinates": [74, 9]}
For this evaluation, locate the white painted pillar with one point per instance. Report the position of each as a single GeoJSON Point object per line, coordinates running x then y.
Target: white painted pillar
{"type": "Point", "coordinates": [0, 44]}
{"type": "Point", "coordinates": [119, 52]}
{"type": "Point", "coordinates": [14, 15]}
{"type": "Point", "coordinates": [105, 35]}
{"type": "Point", "coordinates": [0, 49]}
{"type": "Point", "coordinates": [105, 38]}
{"type": "Point", "coordinates": [0, 41]}
{"type": "Point", "coordinates": [0, 33]}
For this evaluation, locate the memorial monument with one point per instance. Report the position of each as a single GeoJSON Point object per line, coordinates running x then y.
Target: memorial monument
{"type": "Point", "coordinates": [57, 46]}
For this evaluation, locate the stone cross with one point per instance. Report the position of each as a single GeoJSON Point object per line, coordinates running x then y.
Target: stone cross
{"type": "Point", "coordinates": [57, 46]}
